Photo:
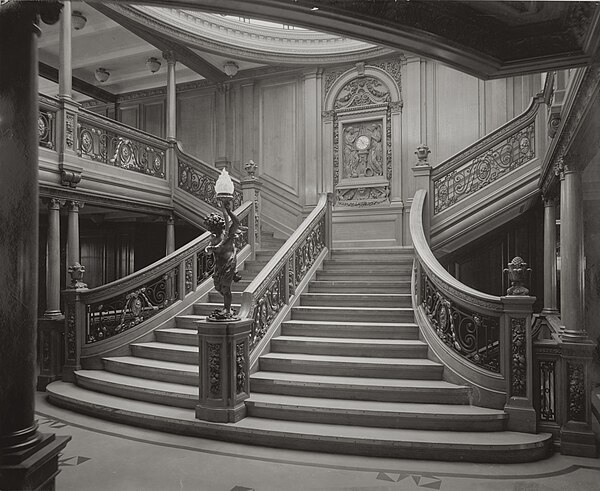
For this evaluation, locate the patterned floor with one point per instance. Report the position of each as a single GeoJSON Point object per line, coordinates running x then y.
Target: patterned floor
{"type": "Point", "coordinates": [108, 456]}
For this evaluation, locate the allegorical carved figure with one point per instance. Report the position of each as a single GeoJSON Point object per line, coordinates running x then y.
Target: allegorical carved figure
{"type": "Point", "coordinates": [222, 246]}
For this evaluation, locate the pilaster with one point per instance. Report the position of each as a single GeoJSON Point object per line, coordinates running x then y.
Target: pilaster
{"type": "Point", "coordinates": [171, 96]}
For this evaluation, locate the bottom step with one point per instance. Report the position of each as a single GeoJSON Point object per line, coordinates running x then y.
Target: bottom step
{"type": "Point", "coordinates": [488, 447]}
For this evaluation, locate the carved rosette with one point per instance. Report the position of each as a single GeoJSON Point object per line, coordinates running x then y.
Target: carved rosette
{"type": "Point", "coordinates": [518, 357]}
{"type": "Point", "coordinates": [240, 368]}
{"type": "Point", "coordinates": [214, 370]}
{"type": "Point", "coordinates": [46, 129]}
{"type": "Point", "coordinates": [576, 395]}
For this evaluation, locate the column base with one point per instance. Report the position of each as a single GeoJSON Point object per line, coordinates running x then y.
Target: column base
{"type": "Point", "coordinates": [221, 415]}
{"type": "Point", "coordinates": [578, 439]}
{"type": "Point", "coordinates": [550, 312]}
{"type": "Point", "coordinates": [54, 315]}
{"type": "Point", "coordinates": [35, 468]}
{"type": "Point", "coordinates": [574, 336]}
{"type": "Point", "coordinates": [521, 415]}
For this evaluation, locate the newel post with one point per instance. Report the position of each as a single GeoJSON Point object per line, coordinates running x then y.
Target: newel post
{"type": "Point", "coordinates": [518, 350]}
{"type": "Point", "coordinates": [224, 351]}
{"type": "Point", "coordinates": [422, 175]}
{"type": "Point", "coordinates": [75, 322]}
{"type": "Point", "coordinates": [251, 192]}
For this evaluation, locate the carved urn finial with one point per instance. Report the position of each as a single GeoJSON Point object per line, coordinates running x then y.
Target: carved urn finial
{"type": "Point", "coordinates": [251, 167]}
{"type": "Point", "coordinates": [422, 153]}
{"type": "Point", "coordinates": [517, 270]}
{"type": "Point", "coordinates": [76, 271]}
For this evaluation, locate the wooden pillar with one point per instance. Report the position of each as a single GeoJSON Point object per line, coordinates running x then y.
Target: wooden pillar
{"type": "Point", "coordinates": [550, 298]}
{"type": "Point", "coordinates": [65, 71]}
{"type": "Point", "coordinates": [53, 260]}
{"type": "Point", "coordinates": [73, 232]}
{"type": "Point", "coordinates": [29, 459]}
{"type": "Point", "coordinates": [171, 95]}
{"type": "Point", "coordinates": [170, 235]}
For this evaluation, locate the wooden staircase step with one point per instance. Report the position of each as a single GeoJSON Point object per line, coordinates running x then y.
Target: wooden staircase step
{"type": "Point", "coordinates": [357, 299]}
{"type": "Point", "coordinates": [206, 308]}
{"type": "Point", "coordinates": [380, 348]}
{"type": "Point", "coordinates": [175, 335]}
{"type": "Point", "coordinates": [357, 286]}
{"type": "Point", "coordinates": [485, 447]}
{"type": "Point", "coordinates": [156, 391]}
{"type": "Point", "coordinates": [216, 297]}
{"type": "Point", "coordinates": [145, 368]}
{"type": "Point", "coordinates": [367, 275]}
{"type": "Point", "coordinates": [447, 417]}
{"type": "Point", "coordinates": [166, 352]}
{"type": "Point", "coordinates": [405, 254]}
{"type": "Point", "coordinates": [362, 314]}
{"type": "Point", "coordinates": [359, 388]}
{"type": "Point", "coordinates": [370, 263]}
{"type": "Point", "coordinates": [188, 321]}
{"type": "Point", "coordinates": [365, 330]}
{"type": "Point", "coordinates": [353, 366]}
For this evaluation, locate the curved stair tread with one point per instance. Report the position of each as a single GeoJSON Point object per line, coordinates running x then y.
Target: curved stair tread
{"type": "Point", "coordinates": [375, 342]}
{"type": "Point", "coordinates": [343, 323]}
{"type": "Point", "coordinates": [353, 309]}
{"type": "Point", "coordinates": [412, 409]}
{"type": "Point", "coordinates": [177, 330]}
{"type": "Point", "coordinates": [351, 359]}
{"type": "Point", "coordinates": [152, 363]}
{"type": "Point", "coordinates": [369, 382]}
{"type": "Point", "coordinates": [136, 383]}
{"type": "Point", "coordinates": [167, 346]}
{"type": "Point", "coordinates": [490, 447]}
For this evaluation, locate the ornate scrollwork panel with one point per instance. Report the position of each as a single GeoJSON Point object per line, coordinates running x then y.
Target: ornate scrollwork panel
{"type": "Point", "coordinates": [363, 91]}
{"type": "Point", "coordinates": [267, 306]}
{"type": "Point", "coordinates": [240, 368]}
{"type": "Point", "coordinates": [189, 273]}
{"type": "Point", "coordinates": [484, 169]}
{"type": "Point", "coordinates": [71, 332]}
{"type": "Point", "coordinates": [547, 371]}
{"type": "Point", "coordinates": [46, 132]}
{"type": "Point", "coordinates": [362, 196]}
{"type": "Point", "coordinates": [120, 313]}
{"type": "Point", "coordinates": [205, 266]}
{"type": "Point", "coordinates": [576, 391]}
{"type": "Point", "coordinates": [472, 335]}
{"type": "Point", "coordinates": [214, 370]}
{"type": "Point", "coordinates": [518, 362]}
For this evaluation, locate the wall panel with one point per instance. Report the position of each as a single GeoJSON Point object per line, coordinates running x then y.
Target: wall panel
{"type": "Point", "coordinates": [195, 129]}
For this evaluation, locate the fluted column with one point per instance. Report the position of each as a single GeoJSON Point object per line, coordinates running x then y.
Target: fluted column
{"type": "Point", "coordinates": [53, 260]}
{"type": "Point", "coordinates": [28, 459]}
{"type": "Point", "coordinates": [571, 252]}
{"type": "Point", "coordinates": [550, 298]}
{"type": "Point", "coordinates": [170, 235]}
{"type": "Point", "coordinates": [73, 232]}
{"type": "Point", "coordinates": [65, 71]}
{"type": "Point", "coordinates": [171, 95]}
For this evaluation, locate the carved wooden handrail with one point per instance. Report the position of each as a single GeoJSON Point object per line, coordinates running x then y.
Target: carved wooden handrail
{"type": "Point", "coordinates": [98, 314]}
{"type": "Point", "coordinates": [487, 160]}
{"type": "Point", "coordinates": [482, 338]}
{"type": "Point", "coordinates": [276, 284]}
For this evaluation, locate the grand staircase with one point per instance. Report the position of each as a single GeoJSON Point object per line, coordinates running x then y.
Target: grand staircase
{"type": "Point", "coordinates": [347, 374]}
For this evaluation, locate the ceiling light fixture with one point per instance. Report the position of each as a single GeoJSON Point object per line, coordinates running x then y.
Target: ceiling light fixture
{"type": "Point", "coordinates": [102, 74]}
{"type": "Point", "coordinates": [78, 20]}
{"type": "Point", "coordinates": [153, 64]}
{"type": "Point", "coordinates": [231, 68]}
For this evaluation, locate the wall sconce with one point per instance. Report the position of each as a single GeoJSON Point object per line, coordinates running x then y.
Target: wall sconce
{"type": "Point", "coordinates": [102, 74]}
{"type": "Point", "coordinates": [230, 68]}
{"type": "Point", "coordinates": [224, 186]}
{"type": "Point", "coordinates": [78, 20]}
{"type": "Point", "coordinates": [153, 64]}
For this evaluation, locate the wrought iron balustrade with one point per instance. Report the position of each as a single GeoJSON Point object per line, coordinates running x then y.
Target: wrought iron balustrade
{"type": "Point", "coordinates": [274, 287]}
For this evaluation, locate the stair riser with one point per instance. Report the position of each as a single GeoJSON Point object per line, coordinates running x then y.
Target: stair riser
{"type": "Point", "coordinates": [374, 418]}
{"type": "Point", "coordinates": [152, 373]}
{"type": "Point", "coordinates": [184, 323]}
{"type": "Point", "coordinates": [165, 355]}
{"type": "Point", "coordinates": [358, 267]}
{"type": "Point", "coordinates": [216, 297]}
{"type": "Point", "coordinates": [439, 396]}
{"type": "Point", "coordinates": [351, 332]}
{"type": "Point", "coordinates": [177, 400]}
{"type": "Point", "coordinates": [360, 301]}
{"type": "Point", "coordinates": [352, 316]}
{"type": "Point", "coordinates": [358, 287]}
{"type": "Point", "coordinates": [393, 258]}
{"type": "Point", "coordinates": [364, 275]}
{"type": "Point", "coordinates": [204, 309]}
{"type": "Point", "coordinates": [279, 346]}
{"type": "Point", "coordinates": [187, 339]}
{"type": "Point", "coordinates": [351, 370]}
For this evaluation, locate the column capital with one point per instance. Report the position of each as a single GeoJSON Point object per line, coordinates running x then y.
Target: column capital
{"type": "Point", "coordinates": [170, 56]}
{"type": "Point", "coordinates": [53, 203]}
{"type": "Point", "coordinates": [223, 88]}
{"type": "Point", "coordinates": [561, 168]}
{"type": "Point", "coordinates": [75, 205]}
{"type": "Point", "coordinates": [549, 199]}
{"type": "Point", "coordinates": [170, 219]}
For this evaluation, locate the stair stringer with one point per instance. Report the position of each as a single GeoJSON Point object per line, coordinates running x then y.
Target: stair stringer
{"type": "Point", "coordinates": [119, 345]}
{"type": "Point", "coordinates": [285, 313]}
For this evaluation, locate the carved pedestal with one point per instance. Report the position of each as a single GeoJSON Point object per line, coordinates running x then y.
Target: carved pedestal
{"type": "Point", "coordinates": [50, 350]}
{"type": "Point", "coordinates": [224, 364]}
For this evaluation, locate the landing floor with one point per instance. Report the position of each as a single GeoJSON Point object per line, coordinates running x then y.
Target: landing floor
{"type": "Point", "coordinates": [109, 456]}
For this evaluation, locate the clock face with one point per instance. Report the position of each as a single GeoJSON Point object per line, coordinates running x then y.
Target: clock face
{"type": "Point", "coordinates": [362, 142]}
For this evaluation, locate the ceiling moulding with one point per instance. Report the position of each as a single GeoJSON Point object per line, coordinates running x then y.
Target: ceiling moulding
{"type": "Point", "coordinates": [224, 37]}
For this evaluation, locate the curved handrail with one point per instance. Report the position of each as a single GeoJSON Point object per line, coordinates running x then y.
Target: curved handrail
{"type": "Point", "coordinates": [459, 292]}
{"type": "Point", "coordinates": [114, 308]}
{"type": "Point", "coordinates": [273, 287]}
